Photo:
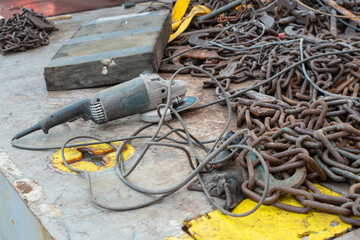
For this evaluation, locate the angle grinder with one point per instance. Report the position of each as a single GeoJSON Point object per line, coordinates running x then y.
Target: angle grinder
{"type": "Point", "coordinates": [139, 95]}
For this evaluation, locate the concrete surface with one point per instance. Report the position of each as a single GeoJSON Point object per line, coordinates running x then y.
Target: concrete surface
{"type": "Point", "coordinates": [60, 200]}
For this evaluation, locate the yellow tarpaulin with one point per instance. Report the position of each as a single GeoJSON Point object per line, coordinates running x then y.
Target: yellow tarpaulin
{"type": "Point", "coordinates": [180, 23]}
{"type": "Point", "coordinates": [179, 10]}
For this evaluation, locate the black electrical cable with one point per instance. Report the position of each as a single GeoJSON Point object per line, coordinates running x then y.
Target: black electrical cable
{"type": "Point", "coordinates": [202, 163]}
{"type": "Point", "coordinates": [167, 106]}
{"type": "Point", "coordinates": [262, 199]}
{"type": "Point", "coordinates": [86, 173]}
{"type": "Point", "coordinates": [214, 39]}
{"type": "Point", "coordinates": [316, 86]}
{"type": "Point", "coordinates": [120, 168]}
{"type": "Point", "coordinates": [252, 47]}
{"type": "Point", "coordinates": [244, 90]}
{"type": "Point", "coordinates": [241, 24]}
{"type": "Point", "coordinates": [16, 145]}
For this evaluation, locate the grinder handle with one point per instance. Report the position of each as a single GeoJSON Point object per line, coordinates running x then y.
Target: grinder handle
{"type": "Point", "coordinates": [77, 109]}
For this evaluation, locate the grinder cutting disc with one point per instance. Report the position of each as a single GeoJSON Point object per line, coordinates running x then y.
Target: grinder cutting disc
{"type": "Point", "coordinates": [188, 102]}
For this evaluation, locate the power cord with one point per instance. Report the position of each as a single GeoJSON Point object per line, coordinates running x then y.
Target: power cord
{"type": "Point", "coordinates": [155, 139]}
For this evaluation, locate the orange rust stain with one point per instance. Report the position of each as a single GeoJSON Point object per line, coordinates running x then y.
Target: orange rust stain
{"type": "Point", "coordinates": [23, 187]}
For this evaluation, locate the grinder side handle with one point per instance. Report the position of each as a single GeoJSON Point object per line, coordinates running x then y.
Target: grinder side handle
{"type": "Point", "coordinates": [65, 114]}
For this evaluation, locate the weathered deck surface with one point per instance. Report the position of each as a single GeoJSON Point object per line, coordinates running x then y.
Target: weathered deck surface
{"type": "Point", "coordinates": [61, 201]}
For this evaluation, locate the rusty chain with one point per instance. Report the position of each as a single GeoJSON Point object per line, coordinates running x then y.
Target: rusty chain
{"type": "Point", "coordinates": [303, 134]}
{"type": "Point", "coordinates": [24, 31]}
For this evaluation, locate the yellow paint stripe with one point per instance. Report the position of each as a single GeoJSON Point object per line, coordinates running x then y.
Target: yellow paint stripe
{"type": "Point", "coordinates": [268, 222]}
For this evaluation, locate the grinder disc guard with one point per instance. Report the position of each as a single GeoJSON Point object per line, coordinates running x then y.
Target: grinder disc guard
{"type": "Point", "coordinates": [153, 117]}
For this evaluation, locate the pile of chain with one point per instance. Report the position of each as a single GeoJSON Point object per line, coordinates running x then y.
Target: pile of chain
{"type": "Point", "coordinates": [296, 159]}
{"type": "Point", "coordinates": [304, 121]}
{"type": "Point", "coordinates": [24, 31]}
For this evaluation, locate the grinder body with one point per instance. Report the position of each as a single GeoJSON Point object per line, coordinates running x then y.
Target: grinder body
{"type": "Point", "coordinates": [139, 95]}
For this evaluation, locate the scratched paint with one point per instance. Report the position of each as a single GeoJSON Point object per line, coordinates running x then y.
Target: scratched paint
{"type": "Point", "coordinates": [29, 189]}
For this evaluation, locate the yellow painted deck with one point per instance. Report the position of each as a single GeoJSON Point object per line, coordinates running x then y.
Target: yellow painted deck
{"type": "Point", "coordinates": [268, 222]}
{"type": "Point", "coordinates": [74, 155]}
